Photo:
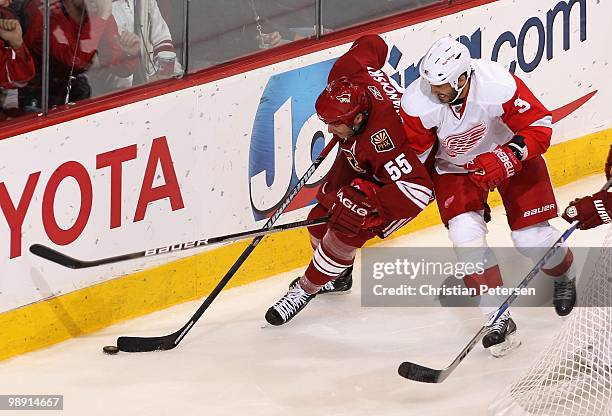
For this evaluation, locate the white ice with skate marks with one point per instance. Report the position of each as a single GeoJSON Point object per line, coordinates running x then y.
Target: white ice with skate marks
{"type": "Point", "coordinates": [334, 358]}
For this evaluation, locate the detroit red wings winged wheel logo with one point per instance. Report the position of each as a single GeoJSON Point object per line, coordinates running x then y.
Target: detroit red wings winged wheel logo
{"type": "Point", "coordinates": [459, 144]}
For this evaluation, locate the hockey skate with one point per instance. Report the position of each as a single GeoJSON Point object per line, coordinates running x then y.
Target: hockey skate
{"type": "Point", "coordinates": [500, 337]}
{"type": "Point", "coordinates": [289, 305]}
{"type": "Point", "coordinates": [564, 296]}
{"type": "Point", "coordinates": [340, 284]}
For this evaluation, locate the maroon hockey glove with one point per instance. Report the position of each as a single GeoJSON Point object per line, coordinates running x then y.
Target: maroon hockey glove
{"type": "Point", "coordinates": [490, 169]}
{"type": "Point", "coordinates": [590, 211]}
{"type": "Point", "coordinates": [371, 190]}
{"type": "Point", "coordinates": [609, 164]}
{"type": "Point", "coordinates": [348, 214]}
{"type": "Point", "coordinates": [326, 197]}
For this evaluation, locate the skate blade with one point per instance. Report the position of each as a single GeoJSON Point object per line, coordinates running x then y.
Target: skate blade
{"type": "Point", "coordinates": [345, 292]}
{"type": "Point", "coordinates": [511, 343]}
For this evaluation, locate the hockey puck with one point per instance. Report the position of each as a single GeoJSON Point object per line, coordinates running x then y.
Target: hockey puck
{"type": "Point", "coordinates": [110, 349]}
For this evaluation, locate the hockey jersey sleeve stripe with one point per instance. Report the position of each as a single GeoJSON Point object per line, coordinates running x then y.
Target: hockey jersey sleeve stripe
{"type": "Point", "coordinates": [418, 194]}
{"type": "Point", "coordinates": [419, 187]}
{"type": "Point", "coordinates": [424, 189]}
{"type": "Point", "coordinates": [543, 122]}
{"type": "Point", "coordinates": [417, 197]}
{"type": "Point", "coordinates": [391, 225]}
{"type": "Point", "coordinates": [423, 156]}
{"type": "Point", "coordinates": [419, 138]}
{"type": "Point", "coordinates": [395, 225]}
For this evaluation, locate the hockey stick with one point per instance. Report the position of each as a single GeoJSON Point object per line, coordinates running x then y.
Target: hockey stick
{"type": "Point", "coordinates": [168, 342]}
{"type": "Point", "coordinates": [67, 261]}
{"type": "Point", "coordinates": [424, 374]}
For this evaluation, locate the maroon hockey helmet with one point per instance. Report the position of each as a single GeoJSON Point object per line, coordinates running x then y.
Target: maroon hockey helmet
{"type": "Point", "coordinates": [341, 101]}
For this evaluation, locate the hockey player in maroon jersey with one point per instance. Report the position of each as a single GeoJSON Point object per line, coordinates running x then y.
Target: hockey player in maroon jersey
{"type": "Point", "coordinates": [376, 185]}
{"type": "Point", "coordinates": [484, 129]}
{"type": "Point", "coordinates": [594, 210]}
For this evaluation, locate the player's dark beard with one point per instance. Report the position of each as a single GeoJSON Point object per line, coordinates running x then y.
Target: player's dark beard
{"type": "Point", "coordinates": [453, 98]}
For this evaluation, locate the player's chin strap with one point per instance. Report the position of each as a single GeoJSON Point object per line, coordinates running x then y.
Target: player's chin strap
{"type": "Point", "coordinates": [460, 90]}
{"type": "Point", "coordinates": [357, 129]}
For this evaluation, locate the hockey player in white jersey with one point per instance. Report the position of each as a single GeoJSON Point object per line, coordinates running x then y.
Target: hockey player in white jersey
{"type": "Point", "coordinates": [480, 128]}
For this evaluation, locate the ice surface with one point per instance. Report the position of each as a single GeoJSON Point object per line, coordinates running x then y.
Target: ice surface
{"type": "Point", "coordinates": [335, 358]}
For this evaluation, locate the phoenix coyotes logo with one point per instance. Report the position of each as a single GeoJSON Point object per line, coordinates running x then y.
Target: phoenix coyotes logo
{"type": "Point", "coordinates": [350, 156]}
{"type": "Point", "coordinates": [459, 144]}
{"type": "Point", "coordinates": [382, 141]}
{"type": "Point", "coordinates": [344, 98]}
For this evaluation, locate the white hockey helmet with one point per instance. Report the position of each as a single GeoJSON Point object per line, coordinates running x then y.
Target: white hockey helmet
{"type": "Point", "coordinates": [445, 61]}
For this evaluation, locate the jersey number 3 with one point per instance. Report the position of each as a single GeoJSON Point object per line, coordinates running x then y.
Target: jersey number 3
{"type": "Point", "coordinates": [396, 167]}
{"type": "Point", "coordinates": [522, 105]}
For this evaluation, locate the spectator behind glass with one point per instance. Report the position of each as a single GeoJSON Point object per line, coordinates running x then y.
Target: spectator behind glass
{"type": "Point", "coordinates": [222, 30]}
{"type": "Point", "coordinates": [83, 34]}
{"type": "Point", "coordinates": [16, 63]}
{"type": "Point", "coordinates": [294, 19]}
{"type": "Point", "coordinates": [158, 54]}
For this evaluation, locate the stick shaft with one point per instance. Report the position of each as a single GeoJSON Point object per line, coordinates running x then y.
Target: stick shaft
{"type": "Point", "coordinates": [417, 372]}
{"type": "Point", "coordinates": [143, 344]}
{"type": "Point", "coordinates": [74, 263]}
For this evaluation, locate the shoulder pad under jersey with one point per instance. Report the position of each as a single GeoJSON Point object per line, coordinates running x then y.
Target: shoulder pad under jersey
{"type": "Point", "coordinates": [418, 101]}
{"type": "Point", "coordinates": [495, 85]}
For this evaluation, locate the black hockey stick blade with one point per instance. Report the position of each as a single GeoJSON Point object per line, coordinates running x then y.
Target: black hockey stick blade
{"type": "Point", "coordinates": [423, 374]}
{"type": "Point", "coordinates": [417, 372]}
{"type": "Point", "coordinates": [147, 344]}
{"type": "Point", "coordinates": [168, 342]}
{"type": "Point", "coordinates": [163, 343]}
{"type": "Point", "coordinates": [56, 257]}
